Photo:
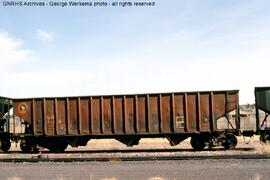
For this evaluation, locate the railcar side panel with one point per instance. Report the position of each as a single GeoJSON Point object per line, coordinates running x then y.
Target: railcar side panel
{"type": "Point", "coordinates": [84, 115]}
{"type": "Point", "coordinates": [129, 120]}
{"type": "Point", "coordinates": [205, 113]}
{"type": "Point", "coordinates": [119, 116]}
{"type": "Point", "coordinates": [163, 113]}
{"type": "Point", "coordinates": [107, 115]}
{"type": "Point", "coordinates": [61, 115]}
{"type": "Point", "coordinates": [153, 114]}
{"type": "Point", "coordinates": [38, 114]}
{"type": "Point", "coordinates": [142, 114]}
{"type": "Point", "coordinates": [179, 110]}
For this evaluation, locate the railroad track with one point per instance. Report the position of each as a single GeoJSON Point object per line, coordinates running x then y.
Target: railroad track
{"type": "Point", "coordinates": [133, 158]}
{"type": "Point", "coordinates": [47, 156]}
{"type": "Point", "coordinates": [134, 151]}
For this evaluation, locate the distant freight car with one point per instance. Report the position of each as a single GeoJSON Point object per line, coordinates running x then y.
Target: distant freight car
{"type": "Point", "coordinates": [5, 106]}
{"type": "Point", "coordinates": [55, 122]}
{"type": "Point", "coordinates": [262, 108]}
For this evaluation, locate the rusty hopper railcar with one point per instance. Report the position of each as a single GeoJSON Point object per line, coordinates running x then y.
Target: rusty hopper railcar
{"type": "Point", "coordinates": [55, 122]}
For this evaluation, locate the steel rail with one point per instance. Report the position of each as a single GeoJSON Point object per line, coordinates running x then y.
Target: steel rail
{"type": "Point", "coordinates": [134, 158]}
{"type": "Point", "coordinates": [102, 151]}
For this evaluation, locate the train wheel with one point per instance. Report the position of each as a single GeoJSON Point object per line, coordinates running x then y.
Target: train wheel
{"type": "Point", "coordinates": [262, 138]}
{"type": "Point", "coordinates": [5, 144]}
{"type": "Point", "coordinates": [265, 138]}
{"type": "Point", "coordinates": [58, 148]}
{"type": "Point", "coordinates": [230, 142]}
{"type": "Point", "coordinates": [198, 142]}
{"type": "Point", "coordinates": [27, 147]}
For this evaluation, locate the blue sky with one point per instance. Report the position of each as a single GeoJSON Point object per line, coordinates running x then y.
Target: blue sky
{"type": "Point", "coordinates": [175, 46]}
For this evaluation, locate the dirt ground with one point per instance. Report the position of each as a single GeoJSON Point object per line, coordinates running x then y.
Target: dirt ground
{"type": "Point", "coordinates": [147, 170]}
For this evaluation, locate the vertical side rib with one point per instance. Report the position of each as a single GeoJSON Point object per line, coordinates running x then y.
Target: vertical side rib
{"type": "Point", "coordinates": [160, 114]}
{"type": "Point", "coordinates": [45, 116]}
{"type": "Point", "coordinates": [186, 111]}
{"type": "Point", "coordinates": [113, 116]}
{"type": "Point", "coordinates": [67, 115]}
{"type": "Point", "coordinates": [136, 114]}
{"type": "Point", "coordinates": [33, 117]}
{"type": "Point", "coordinates": [55, 116]}
{"type": "Point", "coordinates": [173, 112]}
{"type": "Point", "coordinates": [148, 114]}
{"type": "Point", "coordinates": [79, 115]}
{"type": "Point", "coordinates": [199, 112]}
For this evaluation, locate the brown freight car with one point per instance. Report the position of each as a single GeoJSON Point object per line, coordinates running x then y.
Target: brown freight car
{"type": "Point", "coordinates": [55, 122]}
